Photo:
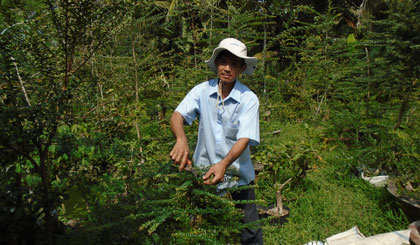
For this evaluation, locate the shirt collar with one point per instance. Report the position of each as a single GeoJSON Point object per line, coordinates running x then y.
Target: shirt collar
{"type": "Point", "coordinates": [235, 94]}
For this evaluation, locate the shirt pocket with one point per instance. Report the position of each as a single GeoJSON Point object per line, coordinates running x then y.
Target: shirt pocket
{"type": "Point", "coordinates": [231, 130]}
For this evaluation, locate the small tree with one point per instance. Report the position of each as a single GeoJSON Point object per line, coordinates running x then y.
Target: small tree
{"type": "Point", "coordinates": [42, 54]}
{"type": "Point", "coordinates": [286, 160]}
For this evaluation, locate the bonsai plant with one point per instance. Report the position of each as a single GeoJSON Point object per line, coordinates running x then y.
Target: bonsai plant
{"type": "Point", "coordinates": [286, 162]}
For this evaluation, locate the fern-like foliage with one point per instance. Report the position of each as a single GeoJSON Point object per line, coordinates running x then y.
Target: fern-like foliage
{"type": "Point", "coordinates": [160, 206]}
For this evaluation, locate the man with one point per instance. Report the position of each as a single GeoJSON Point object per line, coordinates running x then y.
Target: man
{"type": "Point", "coordinates": [229, 124]}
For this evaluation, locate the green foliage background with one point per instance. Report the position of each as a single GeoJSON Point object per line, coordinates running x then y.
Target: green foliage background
{"type": "Point", "coordinates": [87, 89]}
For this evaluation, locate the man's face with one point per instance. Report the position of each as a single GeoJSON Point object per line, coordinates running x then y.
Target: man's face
{"type": "Point", "coordinates": [229, 67]}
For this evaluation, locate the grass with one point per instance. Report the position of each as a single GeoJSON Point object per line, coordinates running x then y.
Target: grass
{"type": "Point", "coordinates": [330, 200]}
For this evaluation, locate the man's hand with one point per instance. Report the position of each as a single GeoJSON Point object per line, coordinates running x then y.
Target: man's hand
{"type": "Point", "coordinates": [180, 153]}
{"type": "Point", "coordinates": [217, 171]}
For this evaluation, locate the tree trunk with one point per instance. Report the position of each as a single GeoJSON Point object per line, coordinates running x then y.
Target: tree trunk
{"type": "Point", "coordinates": [279, 202]}
{"type": "Point", "coordinates": [47, 202]}
{"type": "Point", "coordinates": [403, 109]}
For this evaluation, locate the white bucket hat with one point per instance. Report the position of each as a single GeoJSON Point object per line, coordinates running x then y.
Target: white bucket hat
{"type": "Point", "coordinates": [238, 49]}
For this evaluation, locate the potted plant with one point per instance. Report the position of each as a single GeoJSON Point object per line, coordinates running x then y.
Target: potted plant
{"type": "Point", "coordinates": [393, 157]}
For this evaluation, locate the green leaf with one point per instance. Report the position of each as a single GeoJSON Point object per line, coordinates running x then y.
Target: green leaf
{"type": "Point", "coordinates": [297, 156]}
{"type": "Point", "coordinates": [351, 38]}
{"type": "Point", "coordinates": [18, 169]}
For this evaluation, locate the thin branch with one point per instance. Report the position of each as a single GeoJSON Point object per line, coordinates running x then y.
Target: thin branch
{"type": "Point", "coordinates": [96, 48]}
{"type": "Point", "coordinates": [322, 99]}
{"type": "Point", "coordinates": [21, 82]}
{"type": "Point", "coordinates": [96, 107]}
{"type": "Point", "coordinates": [280, 188]}
{"type": "Point", "coordinates": [7, 28]}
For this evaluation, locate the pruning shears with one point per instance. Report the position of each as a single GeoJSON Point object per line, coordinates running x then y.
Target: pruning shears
{"type": "Point", "coordinates": [190, 168]}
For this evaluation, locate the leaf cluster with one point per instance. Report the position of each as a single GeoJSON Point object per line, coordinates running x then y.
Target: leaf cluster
{"type": "Point", "coordinates": [161, 205]}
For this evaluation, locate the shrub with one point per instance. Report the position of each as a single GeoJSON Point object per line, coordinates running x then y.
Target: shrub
{"type": "Point", "coordinates": [158, 205]}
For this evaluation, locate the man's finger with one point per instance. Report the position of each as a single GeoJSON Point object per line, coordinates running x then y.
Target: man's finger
{"type": "Point", "coordinates": [207, 175]}
{"type": "Point", "coordinates": [173, 156]}
{"type": "Point", "coordinates": [207, 181]}
{"type": "Point", "coordinates": [178, 158]}
{"type": "Point", "coordinates": [217, 179]}
{"type": "Point", "coordinates": [181, 166]}
{"type": "Point", "coordinates": [183, 161]}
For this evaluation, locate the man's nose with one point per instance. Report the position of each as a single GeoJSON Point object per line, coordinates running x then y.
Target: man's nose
{"type": "Point", "coordinates": [227, 67]}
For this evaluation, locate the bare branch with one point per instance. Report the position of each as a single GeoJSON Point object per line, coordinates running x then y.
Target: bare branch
{"type": "Point", "coordinates": [20, 81]}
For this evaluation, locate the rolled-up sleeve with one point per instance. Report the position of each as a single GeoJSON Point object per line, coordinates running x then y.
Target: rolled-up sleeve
{"type": "Point", "coordinates": [249, 126]}
{"type": "Point", "coordinates": [190, 105]}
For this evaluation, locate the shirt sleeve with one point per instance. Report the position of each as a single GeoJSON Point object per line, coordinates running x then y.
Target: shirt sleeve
{"type": "Point", "coordinates": [190, 105]}
{"type": "Point", "coordinates": [249, 126]}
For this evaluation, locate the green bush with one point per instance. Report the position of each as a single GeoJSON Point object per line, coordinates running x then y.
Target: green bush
{"type": "Point", "coordinates": [157, 205]}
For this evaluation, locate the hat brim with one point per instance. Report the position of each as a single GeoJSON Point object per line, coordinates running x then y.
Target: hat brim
{"type": "Point", "coordinates": [251, 62]}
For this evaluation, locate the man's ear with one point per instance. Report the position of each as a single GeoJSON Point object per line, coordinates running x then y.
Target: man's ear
{"type": "Point", "coordinates": [243, 68]}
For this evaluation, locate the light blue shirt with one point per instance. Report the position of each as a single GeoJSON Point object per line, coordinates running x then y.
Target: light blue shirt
{"type": "Point", "coordinates": [220, 126]}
